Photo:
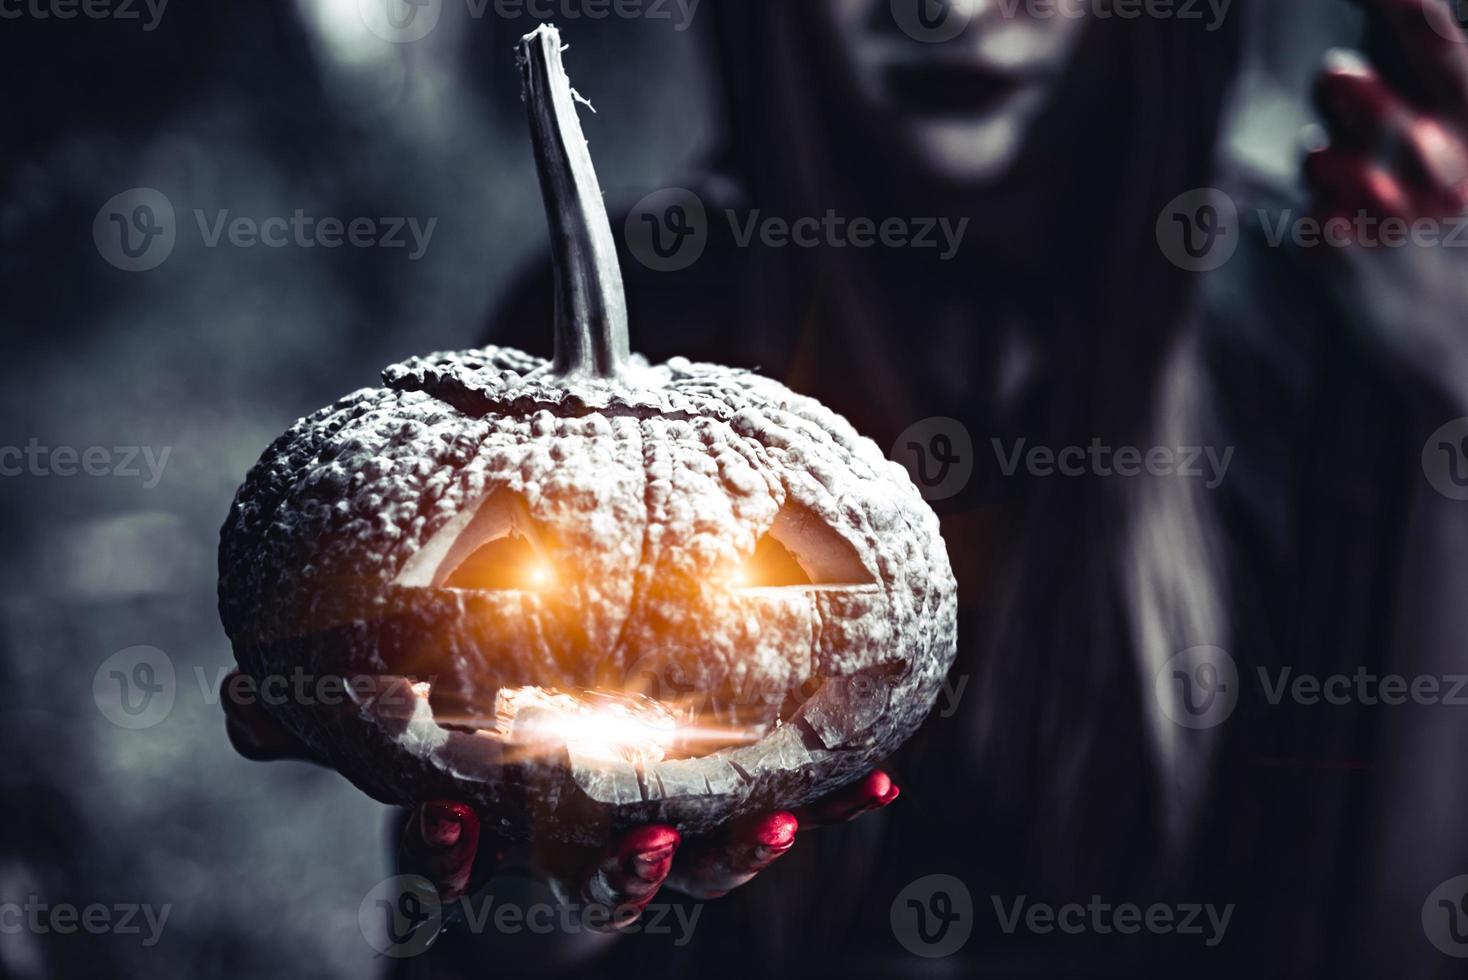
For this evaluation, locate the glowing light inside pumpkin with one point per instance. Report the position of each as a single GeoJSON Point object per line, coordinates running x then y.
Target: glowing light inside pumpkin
{"type": "Point", "coordinates": [629, 728]}
{"type": "Point", "coordinates": [611, 727]}
{"type": "Point", "coordinates": [539, 575]}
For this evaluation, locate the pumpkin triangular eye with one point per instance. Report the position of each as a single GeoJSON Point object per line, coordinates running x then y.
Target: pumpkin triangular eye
{"type": "Point", "coordinates": [770, 565]}
{"type": "Point", "coordinates": [491, 546]}
{"type": "Point", "coordinates": [505, 563]}
{"type": "Point", "coordinates": [800, 549]}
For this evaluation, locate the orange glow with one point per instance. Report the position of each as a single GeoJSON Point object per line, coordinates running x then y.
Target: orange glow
{"type": "Point", "coordinates": [630, 728]}
{"type": "Point", "coordinates": [539, 575]}
{"type": "Point", "coordinates": [602, 726]}
{"type": "Point", "coordinates": [771, 566]}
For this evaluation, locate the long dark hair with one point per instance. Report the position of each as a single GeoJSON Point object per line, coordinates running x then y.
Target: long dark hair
{"type": "Point", "coordinates": [1111, 577]}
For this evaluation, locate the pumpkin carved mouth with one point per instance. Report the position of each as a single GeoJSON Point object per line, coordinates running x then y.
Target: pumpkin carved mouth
{"type": "Point", "coordinates": [617, 728]}
{"type": "Point", "coordinates": [639, 757]}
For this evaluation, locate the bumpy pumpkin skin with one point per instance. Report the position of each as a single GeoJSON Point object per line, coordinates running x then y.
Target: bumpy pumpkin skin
{"type": "Point", "coordinates": [646, 489]}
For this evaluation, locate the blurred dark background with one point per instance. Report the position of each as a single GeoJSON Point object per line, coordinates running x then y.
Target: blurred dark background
{"type": "Point", "coordinates": [264, 108]}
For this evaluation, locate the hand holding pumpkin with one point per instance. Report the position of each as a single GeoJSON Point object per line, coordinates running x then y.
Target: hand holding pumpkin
{"type": "Point", "coordinates": [444, 840]}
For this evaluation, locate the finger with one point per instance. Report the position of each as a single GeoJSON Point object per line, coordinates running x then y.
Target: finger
{"type": "Point", "coordinates": [1431, 45]}
{"type": "Point", "coordinates": [253, 731]}
{"type": "Point", "coordinates": [441, 843]}
{"type": "Point", "coordinates": [711, 868]}
{"type": "Point", "coordinates": [1347, 181]}
{"type": "Point", "coordinates": [628, 872]}
{"type": "Point", "coordinates": [1437, 160]}
{"type": "Point", "coordinates": [1358, 106]}
{"type": "Point", "coordinates": [1364, 113]}
{"type": "Point", "coordinates": [872, 792]}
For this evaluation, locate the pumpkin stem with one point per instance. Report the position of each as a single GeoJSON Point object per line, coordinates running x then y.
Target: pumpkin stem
{"type": "Point", "coordinates": [591, 306]}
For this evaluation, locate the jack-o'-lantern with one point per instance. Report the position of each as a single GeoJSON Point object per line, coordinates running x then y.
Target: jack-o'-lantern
{"type": "Point", "coordinates": [588, 592]}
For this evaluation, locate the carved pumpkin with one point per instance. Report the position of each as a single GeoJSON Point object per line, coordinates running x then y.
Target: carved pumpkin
{"type": "Point", "coordinates": [588, 593]}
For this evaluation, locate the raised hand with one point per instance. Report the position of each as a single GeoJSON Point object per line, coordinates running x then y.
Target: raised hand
{"type": "Point", "coordinates": [1399, 147]}
{"type": "Point", "coordinates": [1392, 188]}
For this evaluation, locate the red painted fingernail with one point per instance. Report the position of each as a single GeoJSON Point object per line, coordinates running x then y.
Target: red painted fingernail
{"type": "Point", "coordinates": [648, 851]}
{"type": "Point", "coordinates": [650, 837]}
{"type": "Point", "coordinates": [878, 791]}
{"type": "Point", "coordinates": [442, 824]}
{"type": "Point", "coordinates": [778, 831]}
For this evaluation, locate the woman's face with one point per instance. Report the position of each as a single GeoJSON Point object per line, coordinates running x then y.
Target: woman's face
{"type": "Point", "coordinates": [963, 80]}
